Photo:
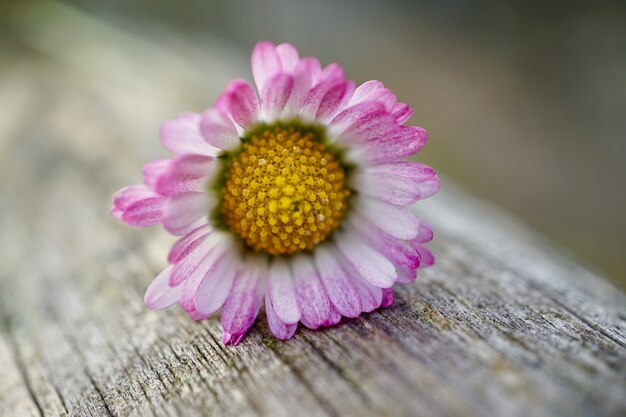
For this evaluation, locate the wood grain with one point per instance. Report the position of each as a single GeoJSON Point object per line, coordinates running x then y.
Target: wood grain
{"type": "Point", "coordinates": [504, 325]}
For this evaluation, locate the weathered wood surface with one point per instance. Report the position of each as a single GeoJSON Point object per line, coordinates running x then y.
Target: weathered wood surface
{"type": "Point", "coordinates": [504, 325]}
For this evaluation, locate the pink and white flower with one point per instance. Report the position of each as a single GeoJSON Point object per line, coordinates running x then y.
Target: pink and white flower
{"type": "Point", "coordinates": [297, 200]}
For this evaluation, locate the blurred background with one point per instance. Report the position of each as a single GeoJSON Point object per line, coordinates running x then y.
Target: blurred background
{"type": "Point", "coordinates": [525, 102]}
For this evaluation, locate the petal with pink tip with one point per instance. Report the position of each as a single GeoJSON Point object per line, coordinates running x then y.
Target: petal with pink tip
{"type": "Point", "coordinates": [188, 243]}
{"type": "Point", "coordinates": [334, 317]}
{"type": "Point", "coordinates": [406, 275]}
{"type": "Point", "coordinates": [370, 295]}
{"type": "Point", "coordinates": [213, 290]}
{"type": "Point", "coordinates": [405, 142]}
{"type": "Point", "coordinates": [395, 189]}
{"type": "Point", "coordinates": [197, 316]}
{"type": "Point", "coordinates": [144, 212]}
{"type": "Point", "coordinates": [159, 294]}
{"type": "Point", "coordinates": [128, 196]}
{"type": "Point", "coordinates": [369, 263]}
{"type": "Point", "coordinates": [275, 95]}
{"type": "Point", "coordinates": [185, 173]}
{"type": "Point", "coordinates": [153, 170]}
{"type": "Point", "coordinates": [182, 136]}
{"type": "Point", "coordinates": [241, 103]}
{"type": "Point", "coordinates": [280, 329]}
{"type": "Point", "coordinates": [425, 233]}
{"type": "Point", "coordinates": [218, 130]}
{"type": "Point", "coordinates": [216, 266]}
{"type": "Point", "coordinates": [315, 96]}
{"type": "Point", "coordinates": [312, 299]}
{"type": "Point", "coordinates": [242, 304]}
{"type": "Point", "coordinates": [265, 63]}
{"type": "Point", "coordinates": [388, 297]}
{"type": "Point", "coordinates": [193, 264]}
{"type": "Point", "coordinates": [304, 75]}
{"type": "Point", "coordinates": [336, 282]}
{"type": "Point", "coordinates": [281, 291]}
{"type": "Point", "coordinates": [402, 112]}
{"type": "Point", "coordinates": [372, 126]}
{"type": "Point", "coordinates": [401, 191]}
{"type": "Point", "coordinates": [400, 252]}
{"type": "Point", "coordinates": [333, 100]}
{"type": "Point", "coordinates": [288, 55]}
{"type": "Point", "coordinates": [399, 222]}
{"type": "Point", "coordinates": [354, 115]}
{"type": "Point", "coordinates": [428, 259]}
{"type": "Point", "coordinates": [414, 170]}
{"type": "Point", "coordinates": [184, 212]}
{"type": "Point", "coordinates": [362, 91]}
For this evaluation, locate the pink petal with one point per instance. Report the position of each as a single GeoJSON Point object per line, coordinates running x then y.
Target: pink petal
{"type": "Point", "coordinates": [187, 243]}
{"type": "Point", "coordinates": [384, 96]}
{"type": "Point", "coordinates": [242, 304]}
{"type": "Point", "coordinates": [336, 282]}
{"type": "Point", "coordinates": [362, 91]}
{"type": "Point", "coordinates": [394, 189]}
{"type": "Point", "coordinates": [282, 293]}
{"type": "Point", "coordinates": [388, 298]}
{"type": "Point", "coordinates": [372, 126]}
{"type": "Point", "coordinates": [370, 295]}
{"type": "Point", "coordinates": [407, 141]}
{"type": "Point", "coordinates": [197, 316]}
{"type": "Point", "coordinates": [288, 56]}
{"type": "Point", "coordinates": [354, 115]}
{"type": "Point", "coordinates": [153, 170]}
{"type": "Point", "coordinates": [233, 339]}
{"type": "Point", "coordinates": [159, 294]}
{"type": "Point", "coordinates": [241, 103]}
{"type": "Point", "coordinates": [144, 212]}
{"type": "Point", "coordinates": [304, 75]}
{"type": "Point", "coordinates": [330, 77]}
{"type": "Point", "coordinates": [182, 136]}
{"type": "Point", "coordinates": [275, 95]}
{"type": "Point", "coordinates": [414, 170]}
{"type": "Point", "coordinates": [425, 233]}
{"type": "Point", "coordinates": [332, 72]}
{"type": "Point", "coordinates": [402, 112]}
{"type": "Point", "coordinates": [369, 263]}
{"type": "Point", "coordinates": [430, 187]}
{"type": "Point", "coordinates": [333, 99]}
{"type": "Point", "coordinates": [399, 222]}
{"type": "Point", "coordinates": [184, 212]}
{"type": "Point", "coordinates": [194, 263]}
{"type": "Point", "coordinates": [279, 328]}
{"type": "Point", "coordinates": [401, 191]}
{"type": "Point", "coordinates": [334, 317]}
{"type": "Point", "coordinates": [128, 196]}
{"type": "Point", "coordinates": [185, 173]}
{"type": "Point", "coordinates": [400, 252]}
{"type": "Point", "coordinates": [313, 302]}
{"type": "Point", "coordinates": [265, 63]}
{"type": "Point", "coordinates": [428, 259]}
{"type": "Point", "coordinates": [218, 130]}
{"type": "Point", "coordinates": [315, 96]}
{"type": "Point", "coordinates": [216, 266]}
{"type": "Point", "coordinates": [406, 275]}
{"type": "Point", "coordinates": [213, 290]}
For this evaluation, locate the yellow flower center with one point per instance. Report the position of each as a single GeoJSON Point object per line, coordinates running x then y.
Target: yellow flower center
{"type": "Point", "coordinates": [284, 192]}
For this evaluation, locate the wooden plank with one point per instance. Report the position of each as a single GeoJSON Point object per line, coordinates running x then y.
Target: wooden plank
{"type": "Point", "coordinates": [504, 325]}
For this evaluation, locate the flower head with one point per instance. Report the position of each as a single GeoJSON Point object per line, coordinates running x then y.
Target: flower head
{"type": "Point", "coordinates": [296, 200]}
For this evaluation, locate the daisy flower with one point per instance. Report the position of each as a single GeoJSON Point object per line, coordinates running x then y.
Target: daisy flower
{"type": "Point", "coordinates": [295, 199]}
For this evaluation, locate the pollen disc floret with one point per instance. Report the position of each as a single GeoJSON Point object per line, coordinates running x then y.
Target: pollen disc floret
{"type": "Point", "coordinates": [284, 192]}
{"type": "Point", "coordinates": [295, 197]}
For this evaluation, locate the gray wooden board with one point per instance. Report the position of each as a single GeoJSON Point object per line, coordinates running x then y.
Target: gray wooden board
{"type": "Point", "coordinates": [503, 325]}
